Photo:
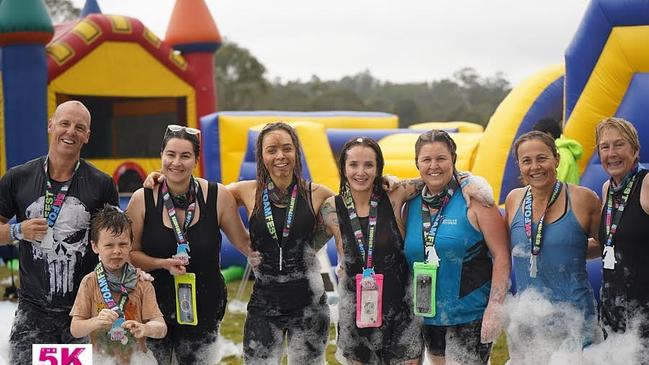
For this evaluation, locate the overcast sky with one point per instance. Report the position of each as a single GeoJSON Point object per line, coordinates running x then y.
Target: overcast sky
{"type": "Point", "coordinates": [397, 40]}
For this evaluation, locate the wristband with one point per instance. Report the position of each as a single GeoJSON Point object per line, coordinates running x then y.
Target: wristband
{"type": "Point", "coordinates": [15, 232]}
{"type": "Point", "coordinates": [465, 182]}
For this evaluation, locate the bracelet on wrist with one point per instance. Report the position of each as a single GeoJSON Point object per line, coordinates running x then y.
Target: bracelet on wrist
{"type": "Point", "coordinates": [465, 181]}
{"type": "Point", "coordinates": [15, 232]}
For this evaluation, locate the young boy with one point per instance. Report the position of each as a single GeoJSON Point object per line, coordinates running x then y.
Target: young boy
{"type": "Point", "coordinates": [116, 309]}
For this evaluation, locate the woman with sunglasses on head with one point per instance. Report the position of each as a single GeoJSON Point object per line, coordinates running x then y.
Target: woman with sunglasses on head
{"type": "Point", "coordinates": [376, 322]}
{"type": "Point", "coordinates": [550, 224]}
{"type": "Point", "coordinates": [623, 233]}
{"type": "Point", "coordinates": [177, 237]}
{"type": "Point", "coordinates": [460, 259]}
{"type": "Point", "coordinates": [288, 297]}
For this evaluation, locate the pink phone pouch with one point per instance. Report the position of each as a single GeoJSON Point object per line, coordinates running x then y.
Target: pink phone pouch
{"type": "Point", "coordinates": [369, 300]}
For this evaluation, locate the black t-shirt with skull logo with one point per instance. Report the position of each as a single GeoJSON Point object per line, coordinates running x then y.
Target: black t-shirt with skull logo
{"type": "Point", "coordinates": [49, 278]}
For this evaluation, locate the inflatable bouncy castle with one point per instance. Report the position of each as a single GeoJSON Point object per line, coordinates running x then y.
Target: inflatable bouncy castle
{"type": "Point", "coordinates": [133, 82]}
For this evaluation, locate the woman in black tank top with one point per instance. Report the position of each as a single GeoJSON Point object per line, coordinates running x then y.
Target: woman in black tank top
{"type": "Point", "coordinates": [369, 241]}
{"type": "Point", "coordinates": [625, 279]}
{"type": "Point", "coordinates": [176, 230]}
{"type": "Point", "coordinates": [288, 299]}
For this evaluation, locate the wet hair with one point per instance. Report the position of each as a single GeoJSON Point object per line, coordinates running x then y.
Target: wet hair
{"type": "Point", "coordinates": [542, 137]}
{"type": "Point", "coordinates": [550, 126]}
{"type": "Point", "coordinates": [436, 135]}
{"type": "Point", "coordinates": [626, 129]}
{"type": "Point", "coordinates": [364, 142]}
{"type": "Point", "coordinates": [182, 134]}
{"type": "Point", "coordinates": [111, 219]}
{"type": "Point", "coordinates": [262, 172]}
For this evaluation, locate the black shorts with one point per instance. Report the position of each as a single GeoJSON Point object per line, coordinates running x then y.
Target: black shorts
{"type": "Point", "coordinates": [397, 340]}
{"type": "Point", "coordinates": [460, 342]}
{"type": "Point", "coordinates": [307, 332]}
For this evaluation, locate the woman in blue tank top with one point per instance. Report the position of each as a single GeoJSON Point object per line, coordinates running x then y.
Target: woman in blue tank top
{"type": "Point", "coordinates": [469, 247]}
{"type": "Point", "coordinates": [550, 223]}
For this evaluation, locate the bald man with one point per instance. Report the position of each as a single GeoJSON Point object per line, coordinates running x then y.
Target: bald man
{"type": "Point", "coordinates": [54, 251]}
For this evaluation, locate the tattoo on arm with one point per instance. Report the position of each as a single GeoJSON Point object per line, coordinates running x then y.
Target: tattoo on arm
{"type": "Point", "coordinates": [417, 185]}
{"type": "Point", "coordinates": [327, 220]}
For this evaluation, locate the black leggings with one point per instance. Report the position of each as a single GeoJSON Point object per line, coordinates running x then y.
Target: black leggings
{"type": "Point", "coordinates": [307, 332]}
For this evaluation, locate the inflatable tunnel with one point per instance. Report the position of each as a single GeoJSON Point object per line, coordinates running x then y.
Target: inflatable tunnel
{"type": "Point", "coordinates": [540, 96]}
{"type": "Point", "coordinates": [225, 134]}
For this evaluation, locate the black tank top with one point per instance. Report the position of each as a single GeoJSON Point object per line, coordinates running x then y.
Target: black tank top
{"type": "Point", "coordinates": [389, 258]}
{"type": "Point", "coordinates": [299, 284]}
{"type": "Point", "coordinates": [626, 288]}
{"type": "Point", "coordinates": [205, 244]}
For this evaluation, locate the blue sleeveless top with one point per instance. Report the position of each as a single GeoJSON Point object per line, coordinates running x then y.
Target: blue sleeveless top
{"type": "Point", "coordinates": [464, 274]}
{"type": "Point", "coordinates": [561, 264]}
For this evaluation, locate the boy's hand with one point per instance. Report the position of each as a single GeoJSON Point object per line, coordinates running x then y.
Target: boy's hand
{"type": "Point", "coordinates": [136, 328]}
{"type": "Point", "coordinates": [106, 317]}
{"type": "Point", "coordinates": [153, 179]}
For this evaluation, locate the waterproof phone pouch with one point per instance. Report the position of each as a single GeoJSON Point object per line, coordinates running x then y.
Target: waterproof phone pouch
{"type": "Point", "coordinates": [369, 300]}
{"type": "Point", "coordinates": [186, 299]}
{"type": "Point", "coordinates": [425, 280]}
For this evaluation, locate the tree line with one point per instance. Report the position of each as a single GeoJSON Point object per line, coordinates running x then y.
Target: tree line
{"type": "Point", "coordinates": [466, 96]}
{"type": "Point", "coordinates": [242, 85]}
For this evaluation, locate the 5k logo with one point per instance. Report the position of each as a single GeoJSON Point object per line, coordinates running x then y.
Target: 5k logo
{"type": "Point", "coordinates": [61, 354]}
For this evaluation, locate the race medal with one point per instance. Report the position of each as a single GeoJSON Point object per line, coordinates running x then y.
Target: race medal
{"type": "Point", "coordinates": [369, 306]}
{"type": "Point", "coordinates": [608, 256]}
{"type": "Point", "coordinates": [182, 253]}
{"type": "Point", "coordinates": [533, 266]}
{"type": "Point", "coordinates": [48, 240]}
{"type": "Point", "coordinates": [117, 333]}
{"type": "Point", "coordinates": [425, 279]}
{"type": "Point", "coordinates": [186, 312]}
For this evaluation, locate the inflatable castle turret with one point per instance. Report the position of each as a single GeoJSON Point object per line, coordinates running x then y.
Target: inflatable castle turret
{"type": "Point", "coordinates": [90, 7]}
{"type": "Point", "coordinates": [25, 29]}
{"type": "Point", "coordinates": [193, 32]}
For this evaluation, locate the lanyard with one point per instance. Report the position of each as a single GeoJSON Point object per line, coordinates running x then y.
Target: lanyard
{"type": "Point", "coordinates": [430, 228]}
{"type": "Point", "coordinates": [270, 223]}
{"type": "Point", "coordinates": [527, 216]}
{"type": "Point", "coordinates": [173, 217]}
{"type": "Point", "coordinates": [105, 290]}
{"type": "Point", "coordinates": [52, 206]}
{"type": "Point", "coordinates": [613, 218]}
{"type": "Point", "coordinates": [356, 225]}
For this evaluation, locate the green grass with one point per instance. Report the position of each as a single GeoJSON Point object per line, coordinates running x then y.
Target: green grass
{"type": "Point", "coordinates": [232, 329]}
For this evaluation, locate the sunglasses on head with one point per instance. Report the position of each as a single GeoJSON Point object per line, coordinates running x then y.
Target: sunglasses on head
{"type": "Point", "coordinates": [175, 128]}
